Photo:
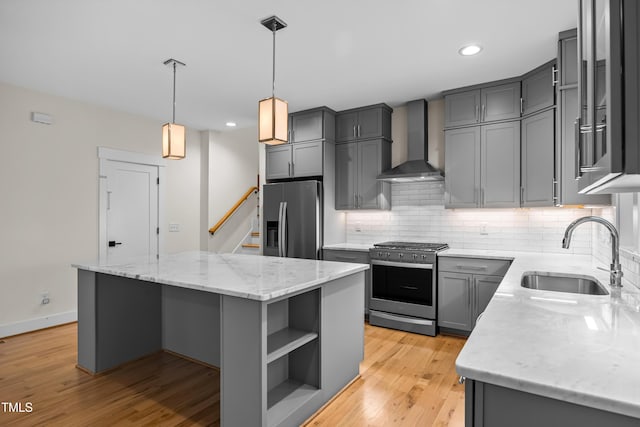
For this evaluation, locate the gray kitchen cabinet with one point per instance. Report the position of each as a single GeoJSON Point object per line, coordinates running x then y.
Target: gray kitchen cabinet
{"type": "Point", "coordinates": [538, 88]}
{"type": "Point", "coordinates": [310, 125]}
{"type": "Point", "coordinates": [492, 405]}
{"type": "Point", "coordinates": [538, 147]}
{"type": "Point", "coordinates": [357, 166]}
{"type": "Point", "coordinates": [465, 287]}
{"type": "Point", "coordinates": [568, 110]}
{"type": "Point", "coordinates": [278, 161]}
{"type": "Point", "coordinates": [454, 301]}
{"type": "Point", "coordinates": [360, 257]}
{"type": "Point", "coordinates": [500, 167]}
{"type": "Point", "coordinates": [462, 108]}
{"type": "Point", "coordinates": [462, 167]}
{"type": "Point", "coordinates": [500, 102]}
{"type": "Point", "coordinates": [304, 155]}
{"type": "Point", "coordinates": [369, 122]}
{"type": "Point", "coordinates": [482, 166]}
{"type": "Point", "coordinates": [294, 160]}
{"type": "Point", "coordinates": [485, 104]}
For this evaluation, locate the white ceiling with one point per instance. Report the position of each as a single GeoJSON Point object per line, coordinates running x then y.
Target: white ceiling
{"type": "Point", "coordinates": [341, 54]}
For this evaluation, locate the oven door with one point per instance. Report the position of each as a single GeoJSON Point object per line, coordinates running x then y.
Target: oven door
{"type": "Point", "coordinates": [403, 288]}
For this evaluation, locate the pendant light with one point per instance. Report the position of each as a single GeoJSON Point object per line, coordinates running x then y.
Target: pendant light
{"type": "Point", "coordinates": [273, 115]}
{"type": "Point", "coordinates": [174, 136]}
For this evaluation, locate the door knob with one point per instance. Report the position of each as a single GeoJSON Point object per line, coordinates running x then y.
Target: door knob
{"type": "Point", "coordinates": [113, 243]}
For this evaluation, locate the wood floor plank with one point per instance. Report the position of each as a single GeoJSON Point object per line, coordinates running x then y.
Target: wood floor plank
{"type": "Point", "coordinates": [406, 380]}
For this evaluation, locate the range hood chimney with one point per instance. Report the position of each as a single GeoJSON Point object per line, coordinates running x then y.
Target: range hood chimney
{"type": "Point", "coordinates": [416, 168]}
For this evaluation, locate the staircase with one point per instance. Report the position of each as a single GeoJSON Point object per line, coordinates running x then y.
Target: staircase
{"type": "Point", "coordinates": [250, 245]}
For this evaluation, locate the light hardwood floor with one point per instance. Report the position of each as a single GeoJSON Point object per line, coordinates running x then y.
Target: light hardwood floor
{"type": "Point", "coordinates": [406, 379]}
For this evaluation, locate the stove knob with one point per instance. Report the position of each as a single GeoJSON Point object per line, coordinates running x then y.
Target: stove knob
{"type": "Point", "coordinates": [388, 254]}
{"type": "Point", "coordinates": [415, 256]}
{"type": "Point", "coordinates": [401, 255]}
{"type": "Point", "coordinates": [379, 254]}
{"type": "Point", "coordinates": [424, 256]}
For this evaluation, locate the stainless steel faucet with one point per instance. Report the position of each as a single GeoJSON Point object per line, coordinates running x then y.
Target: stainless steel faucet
{"type": "Point", "coordinates": [615, 272]}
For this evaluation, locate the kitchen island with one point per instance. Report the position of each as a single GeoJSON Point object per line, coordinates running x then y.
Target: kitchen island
{"type": "Point", "coordinates": [552, 358]}
{"type": "Point", "coordinates": [287, 334]}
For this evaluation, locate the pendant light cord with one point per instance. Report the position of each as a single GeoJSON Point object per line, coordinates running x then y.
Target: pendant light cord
{"type": "Point", "coordinates": [174, 92]}
{"type": "Point", "coordinates": [273, 88]}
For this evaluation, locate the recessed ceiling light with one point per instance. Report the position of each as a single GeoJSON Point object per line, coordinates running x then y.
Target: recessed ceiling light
{"type": "Point", "coordinates": [231, 124]}
{"type": "Point", "coordinates": [472, 49]}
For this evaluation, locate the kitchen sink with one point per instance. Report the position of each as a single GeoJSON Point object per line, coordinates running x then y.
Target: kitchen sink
{"type": "Point", "coordinates": [559, 282]}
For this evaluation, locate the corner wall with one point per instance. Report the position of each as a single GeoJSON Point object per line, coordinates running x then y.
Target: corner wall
{"type": "Point", "coordinates": [49, 193]}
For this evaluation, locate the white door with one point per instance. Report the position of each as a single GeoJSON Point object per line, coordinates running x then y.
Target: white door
{"type": "Point", "coordinates": [131, 209]}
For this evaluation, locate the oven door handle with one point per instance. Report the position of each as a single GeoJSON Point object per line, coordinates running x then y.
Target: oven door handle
{"type": "Point", "coordinates": [402, 264]}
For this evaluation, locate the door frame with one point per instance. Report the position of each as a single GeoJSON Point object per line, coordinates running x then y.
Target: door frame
{"type": "Point", "coordinates": [105, 154]}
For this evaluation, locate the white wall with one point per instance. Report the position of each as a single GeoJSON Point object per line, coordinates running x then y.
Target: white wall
{"type": "Point", "coordinates": [49, 198]}
{"type": "Point", "coordinates": [233, 169]}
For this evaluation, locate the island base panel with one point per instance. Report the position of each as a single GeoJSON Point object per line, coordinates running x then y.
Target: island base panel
{"type": "Point", "coordinates": [488, 405]}
{"type": "Point", "coordinates": [119, 320]}
{"type": "Point", "coordinates": [190, 320]}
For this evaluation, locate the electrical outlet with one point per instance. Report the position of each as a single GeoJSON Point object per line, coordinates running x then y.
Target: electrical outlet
{"type": "Point", "coordinates": [483, 229]}
{"type": "Point", "coordinates": [45, 298]}
{"type": "Point", "coordinates": [173, 227]}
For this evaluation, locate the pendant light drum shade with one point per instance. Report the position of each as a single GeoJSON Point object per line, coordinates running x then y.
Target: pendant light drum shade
{"type": "Point", "coordinates": [274, 115]}
{"type": "Point", "coordinates": [173, 141]}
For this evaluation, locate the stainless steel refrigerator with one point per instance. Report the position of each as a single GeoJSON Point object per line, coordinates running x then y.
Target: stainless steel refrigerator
{"type": "Point", "coordinates": [292, 219]}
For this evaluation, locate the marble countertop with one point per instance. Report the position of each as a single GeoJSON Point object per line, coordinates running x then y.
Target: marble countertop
{"type": "Point", "coordinates": [247, 276]}
{"type": "Point", "coordinates": [583, 349]}
{"type": "Point", "coordinates": [349, 247]}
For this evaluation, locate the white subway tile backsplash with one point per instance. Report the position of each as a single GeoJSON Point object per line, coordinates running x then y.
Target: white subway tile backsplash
{"type": "Point", "coordinates": [418, 214]}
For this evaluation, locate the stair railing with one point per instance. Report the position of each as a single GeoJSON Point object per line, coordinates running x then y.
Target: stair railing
{"type": "Point", "coordinates": [234, 208]}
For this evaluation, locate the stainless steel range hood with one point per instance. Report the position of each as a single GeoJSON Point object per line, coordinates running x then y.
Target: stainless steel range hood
{"type": "Point", "coordinates": [416, 168]}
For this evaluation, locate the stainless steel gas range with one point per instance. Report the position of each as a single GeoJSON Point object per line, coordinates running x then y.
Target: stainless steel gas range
{"type": "Point", "coordinates": [403, 286]}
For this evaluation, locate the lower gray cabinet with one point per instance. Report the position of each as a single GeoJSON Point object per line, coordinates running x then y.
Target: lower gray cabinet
{"type": "Point", "coordinates": [465, 287]}
{"type": "Point", "coordinates": [359, 257]}
{"type": "Point", "coordinates": [297, 160]}
{"type": "Point", "coordinates": [490, 405]}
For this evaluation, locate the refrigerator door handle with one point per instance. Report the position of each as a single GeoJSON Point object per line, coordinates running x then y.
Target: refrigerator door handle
{"type": "Point", "coordinates": [283, 227]}
{"type": "Point", "coordinates": [280, 225]}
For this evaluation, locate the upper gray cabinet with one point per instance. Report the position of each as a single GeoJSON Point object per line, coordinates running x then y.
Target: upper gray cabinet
{"type": "Point", "coordinates": [538, 89]}
{"type": "Point", "coordinates": [537, 148]}
{"type": "Point", "coordinates": [608, 152]}
{"type": "Point", "coordinates": [482, 166]}
{"type": "Point", "coordinates": [304, 155]}
{"type": "Point", "coordinates": [491, 103]}
{"type": "Point", "coordinates": [310, 125]}
{"type": "Point", "coordinates": [364, 123]}
{"type": "Point", "coordinates": [304, 159]}
{"type": "Point", "coordinates": [357, 166]}
{"type": "Point", "coordinates": [568, 110]}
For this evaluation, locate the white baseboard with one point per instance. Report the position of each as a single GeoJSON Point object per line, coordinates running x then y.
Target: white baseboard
{"type": "Point", "coordinates": [30, 325]}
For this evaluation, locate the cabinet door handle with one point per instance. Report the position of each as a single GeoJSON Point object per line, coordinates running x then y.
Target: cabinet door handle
{"type": "Point", "coordinates": [354, 131]}
{"type": "Point", "coordinates": [554, 195]}
{"type": "Point", "coordinates": [355, 200]}
{"type": "Point", "coordinates": [578, 138]}
{"type": "Point", "coordinates": [469, 292]}
{"type": "Point", "coordinates": [521, 106]}
{"type": "Point", "coordinates": [521, 195]}
{"type": "Point", "coordinates": [358, 131]}
{"type": "Point", "coordinates": [482, 196]}
{"type": "Point", "coordinates": [476, 115]}
{"type": "Point", "coordinates": [289, 168]}
{"type": "Point", "coordinates": [483, 116]}
{"type": "Point", "coordinates": [554, 76]}
{"type": "Point", "coordinates": [471, 267]}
